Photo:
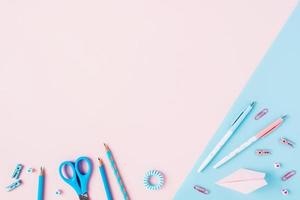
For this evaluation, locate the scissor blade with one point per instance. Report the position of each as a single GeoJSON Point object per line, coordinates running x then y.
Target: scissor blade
{"type": "Point", "coordinates": [83, 196]}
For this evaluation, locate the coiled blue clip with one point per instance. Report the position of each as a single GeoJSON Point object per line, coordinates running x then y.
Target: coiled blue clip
{"type": "Point", "coordinates": [159, 180]}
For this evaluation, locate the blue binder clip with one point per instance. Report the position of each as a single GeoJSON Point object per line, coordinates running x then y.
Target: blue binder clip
{"type": "Point", "coordinates": [17, 171]}
{"type": "Point", "coordinates": [14, 185]}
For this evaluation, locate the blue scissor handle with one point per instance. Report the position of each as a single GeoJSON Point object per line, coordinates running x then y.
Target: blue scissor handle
{"type": "Point", "coordinates": [83, 177]}
{"type": "Point", "coordinates": [73, 181]}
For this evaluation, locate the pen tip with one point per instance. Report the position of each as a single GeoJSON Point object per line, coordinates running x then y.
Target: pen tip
{"type": "Point", "coordinates": [284, 117]}
{"type": "Point", "coordinates": [253, 103]}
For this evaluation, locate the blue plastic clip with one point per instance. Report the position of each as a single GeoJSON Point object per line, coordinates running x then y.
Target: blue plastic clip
{"type": "Point", "coordinates": [14, 185]}
{"type": "Point", "coordinates": [17, 171]}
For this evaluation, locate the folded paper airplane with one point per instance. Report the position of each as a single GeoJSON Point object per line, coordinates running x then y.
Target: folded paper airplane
{"type": "Point", "coordinates": [244, 181]}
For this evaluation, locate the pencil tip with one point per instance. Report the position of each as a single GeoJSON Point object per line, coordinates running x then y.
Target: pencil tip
{"type": "Point", "coordinates": [100, 161]}
{"type": "Point", "coordinates": [42, 170]}
{"type": "Point", "coordinates": [253, 103]}
{"type": "Point", "coordinates": [284, 117]}
{"type": "Point", "coordinates": [106, 146]}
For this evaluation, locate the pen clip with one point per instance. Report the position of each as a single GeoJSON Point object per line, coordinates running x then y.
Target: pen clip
{"type": "Point", "coordinates": [240, 115]}
{"type": "Point", "coordinates": [237, 118]}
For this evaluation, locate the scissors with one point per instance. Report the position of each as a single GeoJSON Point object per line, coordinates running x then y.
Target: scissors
{"type": "Point", "coordinates": [79, 180]}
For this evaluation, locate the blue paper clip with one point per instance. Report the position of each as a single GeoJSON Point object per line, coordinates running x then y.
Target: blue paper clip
{"type": "Point", "coordinates": [14, 185]}
{"type": "Point", "coordinates": [17, 171]}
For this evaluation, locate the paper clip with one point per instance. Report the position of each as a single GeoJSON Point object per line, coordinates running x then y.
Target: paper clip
{"type": "Point", "coordinates": [262, 113]}
{"type": "Point", "coordinates": [17, 171]}
{"type": "Point", "coordinates": [262, 152]}
{"type": "Point", "coordinates": [287, 142]}
{"type": "Point", "coordinates": [288, 175]}
{"type": "Point", "coordinates": [201, 189]}
{"type": "Point", "coordinates": [14, 185]}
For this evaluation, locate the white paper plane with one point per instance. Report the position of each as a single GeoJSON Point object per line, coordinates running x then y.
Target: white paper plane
{"type": "Point", "coordinates": [244, 181]}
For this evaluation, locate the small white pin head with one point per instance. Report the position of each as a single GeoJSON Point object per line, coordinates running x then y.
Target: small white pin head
{"type": "Point", "coordinates": [58, 192]}
{"type": "Point", "coordinates": [30, 170]}
{"type": "Point", "coordinates": [285, 192]}
{"type": "Point", "coordinates": [277, 165]}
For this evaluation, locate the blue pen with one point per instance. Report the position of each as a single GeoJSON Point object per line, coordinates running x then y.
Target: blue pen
{"type": "Point", "coordinates": [41, 184]}
{"type": "Point", "coordinates": [234, 126]}
{"type": "Point", "coordinates": [105, 180]}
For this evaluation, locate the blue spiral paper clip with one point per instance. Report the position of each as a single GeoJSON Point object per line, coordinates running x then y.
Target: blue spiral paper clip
{"type": "Point", "coordinates": [160, 180]}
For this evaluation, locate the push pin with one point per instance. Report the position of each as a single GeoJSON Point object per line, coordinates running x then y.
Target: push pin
{"type": "Point", "coordinates": [29, 170]}
{"type": "Point", "coordinates": [58, 192]}
{"type": "Point", "coordinates": [287, 142]}
{"type": "Point", "coordinates": [277, 165]}
{"type": "Point", "coordinates": [284, 192]}
{"type": "Point", "coordinates": [262, 152]}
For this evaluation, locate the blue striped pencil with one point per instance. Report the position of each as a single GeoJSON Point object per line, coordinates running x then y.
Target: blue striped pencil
{"type": "Point", "coordinates": [105, 180]}
{"type": "Point", "coordinates": [116, 172]}
{"type": "Point", "coordinates": [41, 185]}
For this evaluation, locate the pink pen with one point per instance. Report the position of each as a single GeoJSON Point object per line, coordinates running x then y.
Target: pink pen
{"type": "Point", "coordinates": [250, 141]}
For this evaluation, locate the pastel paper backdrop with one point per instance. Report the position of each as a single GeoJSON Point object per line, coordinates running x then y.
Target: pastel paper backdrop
{"type": "Point", "coordinates": [275, 85]}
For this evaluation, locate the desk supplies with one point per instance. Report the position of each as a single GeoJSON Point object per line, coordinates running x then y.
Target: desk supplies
{"type": "Point", "coordinates": [58, 192]}
{"type": "Point", "coordinates": [263, 152]}
{"type": "Point", "coordinates": [262, 113]}
{"type": "Point", "coordinates": [201, 189]}
{"type": "Point", "coordinates": [17, 171]}
{"type": "Point", "coordinates": [234, 126]}
{"type": "Point", "coordinates": [79, 180]}
{"type": "Point", "coordinates": [14, 185]}
{"type": "Point", "coordinates": [285, 192]}
{"type": "Point", "coordinates": [40, 195]}
{"type": "Point", "coordinates": [244, 181]}
{"type": "Point", "coordinates": [105, 180]}
{"type": "Point", "coordinates": [30, 170]}
{"type": "Point", "coordinates": [277, 165]}
{"type": "Point", "coordinates": [250, 141]}
{"type": "Point", "coordinates": [288, 175]}
{"type": "Point", "coordinates": [116, 172]}
{"type": "Point", "coordinates": [159, 180]}
{"type": "Point", "coordinates": [287, 142]}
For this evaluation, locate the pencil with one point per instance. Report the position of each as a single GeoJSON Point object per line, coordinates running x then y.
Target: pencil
{"type": "Point", "coordinates": [41, 184]}
{"type": "Point", "coordinates": [105, 180]}
{"type": "Point", "coordinates": [116, 172]}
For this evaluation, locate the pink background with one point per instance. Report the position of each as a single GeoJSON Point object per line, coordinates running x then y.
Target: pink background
{"type": "Point", "coordinates": [153, 79]}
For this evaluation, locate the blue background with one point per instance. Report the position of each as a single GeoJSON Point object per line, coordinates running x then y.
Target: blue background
{"type": "Point", "coordinates": [275, 85]}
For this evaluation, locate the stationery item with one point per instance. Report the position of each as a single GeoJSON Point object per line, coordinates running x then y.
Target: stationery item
{"type": "Point", "coordinates": [116, 172]}
{"type": "Point", "coordinates": [14, 185]}
{"type": "Point", "coordinates": [58, 192]}
{"type": "Point", "coordinates": [277, 165]}
{"type": "Point", "coordinates": [287, 142]}
{"type": "Point", "coordinates": [29, 170]}
{"type": "Point", "coordinates": [105, 180]}
{"type": "Point", "coordinates": [159, 180]}
{"type": "Point", "coordinates": [17, 171]}
{"type": "Point", "coordinates": [40, 195]}
{"type": "Point", "coordinates": [201, 189]}
{"type": "Point", "coordinates": [285, 192]}
{"type": "Point", "coordinates": [263, 152]}
{"type": "Point", "coordinates": [261, 113]}
{"type": "Point", "coordinates": [265, 132]}
{"type": "Point", "coordinates": [244, 181]}
{"type": "Point", "coordinates": [79, 179]}
{"type": "Point", "coordinates": [288, 175]}
{"type": "Point", "coordinates": [234, 126]}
